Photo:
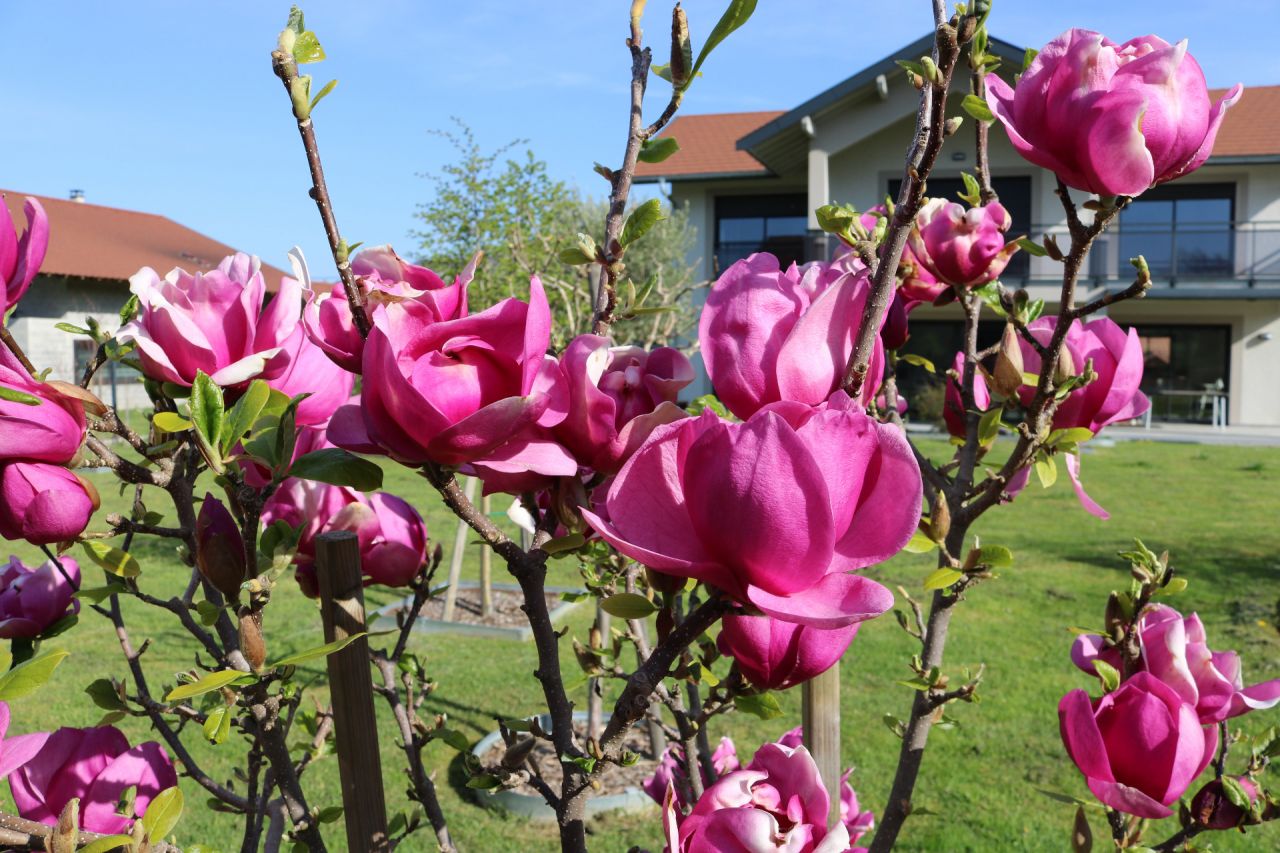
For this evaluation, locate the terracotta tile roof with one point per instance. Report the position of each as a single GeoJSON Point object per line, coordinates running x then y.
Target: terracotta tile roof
{"type": "Point", "coordinates": [708, 146]}
{"type": "Point", "coordinates": [1252, 126]}
{"type": "Point", "coordinates": [708, 142]}
{"type": "Point", "coordinates": [93, 241]}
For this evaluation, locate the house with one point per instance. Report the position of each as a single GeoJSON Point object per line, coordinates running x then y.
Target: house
{"type": "Point", "coordinates": [1210, 325]}
{"type": "Point", "coordinates": [93, 250]}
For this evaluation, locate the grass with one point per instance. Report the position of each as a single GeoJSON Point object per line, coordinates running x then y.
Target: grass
{"type": "Point", "coordinates": [1214, 508]}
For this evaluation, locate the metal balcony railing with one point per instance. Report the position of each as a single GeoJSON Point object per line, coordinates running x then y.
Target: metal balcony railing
{"type": "Point", "coordinates": [1192, 255]}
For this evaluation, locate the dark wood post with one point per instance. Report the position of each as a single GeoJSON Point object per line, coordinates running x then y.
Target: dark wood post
{"type": "Point", "coordinates": [351, 687]}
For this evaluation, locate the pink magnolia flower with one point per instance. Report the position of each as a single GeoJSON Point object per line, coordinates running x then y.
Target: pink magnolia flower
{"type": "Point", "coordinates": [768, 335]}
{"type": "Point", "coordinates": [32, 600]}
{"type": "Point", "coordinates": [386, 279]}
{"type": "Point", "coordinates": [964, 247]}
{"type": "Point", "coordinates": [671, 772]}
{"type": "Point", "coordinates": [1117, 360]}
{"type": "Point", "coordinates": [1176, 651]}
{"type": "Point", "coordinates": [20, 257]}
{"type": "Point", "coordinates": [393, 537]}
{"type": "Point", "coordinates": [16, 751]}
{"type": "Point", "coordinates": [777, 803]}
{"type": "Point", "coordinates": [212, 322]}
{"type": "Point", "coordinates": [617, 396]}
{"type": "Point", "coordinates": [96, 766]}
{"type": "Point", "coordinates": [310, 371]}
{"type": "Point", "coordinates": [43, 503]}
{"type": "Point", "coordinates": [857, 822]}
{"type": "Point", "coordinates": [775, 511]}
{"type": "Point", "coordinates": [775, 655]}
{"type": "Point", "coordinates": [953, 413]}
{"type": "Point", "coordinates": [471, 390]}
{"type": "Point", "coordinates": [49, 431]}
{"type": "Point", "coordinates": [915, 282]}
{"type": "Point", "coordinates": [1139, 747]}
{"type": "Point", "coordinates": [1111, 119]}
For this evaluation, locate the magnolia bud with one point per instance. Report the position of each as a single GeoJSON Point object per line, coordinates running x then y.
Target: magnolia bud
{"type": "Point", "coordinates": [1066, 366]}
{"type": "Point", "coordinates": [1006, 378]}
{"type": "Point", "coordinates": [894, 332]}
{"type": "Point", "coordinates": [660, 582]}
{"type": "Point", "coordinates": [219, 548]}
{"type": "Point", "coordinates": [681, 49]}
{"type": "Point", "coordinates": [65, 837]}
{"type": "Point", "coordinates": [940, 520]}
{"type": "Point", "coordinates": [251, 642]}
{"type": "Point", "coordinates": [568, 497]}
{"type": "Point", "coordinates": [1212, 807]}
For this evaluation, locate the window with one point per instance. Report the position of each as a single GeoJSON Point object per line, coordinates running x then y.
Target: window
{"type": "Point", "coordinates": [1183, 231]}
{"type": "Point", "coordinates": [109, 373]}
{"type": "Point", "coordinates": [1015, 195]}
{"type": "Point", "coordinates": [1183, 366]}
{"type": "Point", "coordinates": [761, 223]}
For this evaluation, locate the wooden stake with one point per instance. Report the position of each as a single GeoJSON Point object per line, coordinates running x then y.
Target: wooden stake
{"type": "Point", "coordinates": [351, 688]}
{"type": "Point", "coordinates": [455, 558]}
{"type": "Point", "coordinates": [486, 568]}
{"type": "Point", "coordinates": [820, 713]}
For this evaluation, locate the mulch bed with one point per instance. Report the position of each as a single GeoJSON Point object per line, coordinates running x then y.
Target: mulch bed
{"type": "Point", "coordinates": [506, 608]}
{"type": "Point", "coordinates": [613, 779]}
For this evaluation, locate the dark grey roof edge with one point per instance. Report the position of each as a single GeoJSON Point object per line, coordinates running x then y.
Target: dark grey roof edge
{"type": "Point", "coordinates": [917, 48]}
{"type": "Point", "coordinates": [762, 172]}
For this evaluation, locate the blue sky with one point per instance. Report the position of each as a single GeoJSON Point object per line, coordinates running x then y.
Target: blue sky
{"type": "Point", "coordinates": [171, 107]}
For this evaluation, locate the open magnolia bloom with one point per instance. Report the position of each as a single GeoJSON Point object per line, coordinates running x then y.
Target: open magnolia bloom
{"type": "Point", "coordinates": [20, 257]}
{"type": "Point", "coordinates": [776, 511]}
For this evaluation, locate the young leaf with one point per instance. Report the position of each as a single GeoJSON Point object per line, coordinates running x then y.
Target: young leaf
{"type": "Point", "coordinates": [918, 361]}
{"type": "Point", "coordinates": [996, 556]}
{"type": "Point", "coordinates": [919, 544]}
{"type": "Point", "coordinates": [244, 414]}
{"type": "Point", "coordinates": [318, 652]}
{"type": "Point", "coordinates": [1109, 674]}
{"type": "Point", "coordinates": [734, 16]}
{"type": "Point", "coordinates": [218, 725]}
{"type": "Point", "coordinates": [977, 107]}
{"type": "Point", "coordinates": [762, 705]}
{"type": "Point", "coordinates": [107, 843]}
{"type": "Point", "coordinates": [1046, 471]}
{"type": "Point", "coordinates": [657, 150]}
{"type": "Point", "coordinates": [942, 578]}
{"type": "Point", "coordinates": [98, 594]}
{"type": "Point", "coordinates": [707, 401]}
{"type": "Point", "coordinates": [15, 396]}
{"type": "Point", "coordinates": [207, 684]}
{"type": "Point", "coordinates": [306, 48]}
{"type": "Point", "coordinates": [640, 221]}
{"type": "Point", "coordinates": [328, 87]}
{"type": "Point", "coordinates": [1031, 247]}
{"type": "Point", "coordinates": [989, 425]}
{"type": "Point", "coordinates": [162, 813]}
{"type": "Point", "coordinates": [104, 695]}
{"type": "Point", "coordinates": [338, 467]}
{"type": "Point", "coordinates": [120, 563]}
{"type": "Point", "coordinates": [628, 605]}
{"type": "Point", "coordinates": [27, 677]}
{"type": "Point", "coordinates": [171, 422]}
{"type": "Point", "coordinates": [206, 408]}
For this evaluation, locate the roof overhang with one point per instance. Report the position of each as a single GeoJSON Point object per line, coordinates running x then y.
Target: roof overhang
{"type": "Point", "coordinates": [705, 176]}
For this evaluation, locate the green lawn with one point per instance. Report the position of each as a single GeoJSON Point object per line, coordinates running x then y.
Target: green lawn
{"type": "Point", "coordinates": [1214, 508]}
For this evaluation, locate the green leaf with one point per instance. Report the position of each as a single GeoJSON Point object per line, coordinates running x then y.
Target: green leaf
{"type": "Point", "coordinates": [574, 257]}
{"type": "Point", "coordinates": [1173, 587]}
{"type": "Point", "coordinates": [663, 71]}
{"type": "Point", "coordinates": [628, 605]}
{"type": "Point", "coordinates": [659, 149]}
{"type": "Point", "coordinates": [1236, 793]}
{"type": "Point", "coordinates": [640, 221]}
{"type": "Point", "coordinates": [762, 705]}
{"type": "Point", "coordinates": [972, 192]}
{"type": "Point", "coordinates": [996, 556]}
{"type": "Point", "coordinates": [104, 695]}
{"type": "Point", "coordinates": [989, 425]}
{"type": "Point", "coordinates": [15, 396]}
{"type": "Point", "coordinates": [98, 594]}
{"type": "Point", "coordinates": [129, 308]}
{"type": "Point", "coordinates": [1109, 674]}
{"type": "Point", "coordinates": [942, 578]}
{"type": "Point", "coordinates": [319, 651]}
{"type": "Point", "coordinates": [244, 414]}
{"type": "Point", "coordinates": [1031, 247]}
{"type": "Point", "coordinates": [454, 738]}
{"type": "Point", "coordinates": [1046, 471]}
{"type": "Point", "coordinates": [115, 561]}
{"type": "Point", "coordinates": [1029, 57]}
{"type": "Point", "coordinates": [171, 422]}
{"type": "Point", "coordinates": [71, 329]}
{"type": "Point", "coordinates": [326, 89]}
{"type": "Point", "coordinates": [1076, 435]}
{"type": "Point", "coordinates": [911, 65]}
{"type": "Point", "coordinates": [734, 16]}
{"type": "Point", "coordinates": [338, 467]}
{"type": "Point", "coordinates": [218, 724]}
{"type": "Point", "coordinates": [307, 49]}
{"type": "Point", "coordinates": [162, 813]}
{"type": "Point", "coordinates": [977, 107]}
{"type": "Point", "coordinates": [329, 814]}
{"type": "Point", "coordinates": [916, 683]}
{"type": "Point", "coordinates": [707, 401]}
{"type": "Point", "coordinates": [918, 361]}
{"type": "Point", "coordinates": [207, 684]}
{"type": "Point", "coordinates": [207, 611]}
{"type": "Point", "coordinates": [919, 543]}
{"type": "Point", "coordinates": [107, 842]}
{"type": "Point", "coordinates": [27, 677]}
{"type": "Point", "coordinates": [206, 408]}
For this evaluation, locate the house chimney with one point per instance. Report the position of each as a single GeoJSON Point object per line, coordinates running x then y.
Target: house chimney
{"type": "Point", "coordinates": [77, 196]}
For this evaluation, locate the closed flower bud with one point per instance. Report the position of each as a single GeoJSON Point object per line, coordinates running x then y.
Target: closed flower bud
{"type": "Point", "coordinates": [940, 521]}
{"type": "Point", "coordinates": [1212, 808]}
{"type": "Point", "coordinates": [219, 547]}
{"type": "Point", "coordinates": [251, 641]}
{"type": "Point", "coordinates": [1006, 378]}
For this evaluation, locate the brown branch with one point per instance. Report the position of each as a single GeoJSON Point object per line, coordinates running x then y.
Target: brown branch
{"type": "Point", "coordinates": [6, 337]}
{"type": "Point", "coordinates": [287, 70]}
{"type": "Point", "coordinates": [18, 833]}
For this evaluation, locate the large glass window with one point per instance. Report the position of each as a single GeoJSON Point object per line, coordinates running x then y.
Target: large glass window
{"type": "Point", "coordinates": [1015, 195]}
{"type": "Point", "coordinates": [760, 223]}
{"type": "Point", "coordinates": [1184, 368]}
{"type": "Point", "coordinates": [1184, 231]}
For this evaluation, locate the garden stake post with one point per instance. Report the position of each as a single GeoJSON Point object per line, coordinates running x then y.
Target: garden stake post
{"type": "Point", "coordinates": [820, 716]}
{"type": "Point", "coordinates": [455, 558]}
{"type": "Point", "coordinates": [351, 683]}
